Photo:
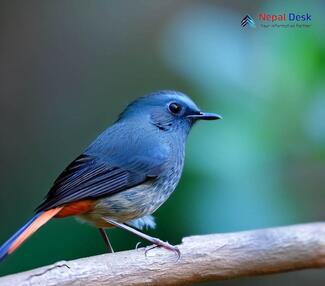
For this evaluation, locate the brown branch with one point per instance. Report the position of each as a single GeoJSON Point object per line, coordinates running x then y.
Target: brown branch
{"type": "Point", "coordinates": [204, 258]}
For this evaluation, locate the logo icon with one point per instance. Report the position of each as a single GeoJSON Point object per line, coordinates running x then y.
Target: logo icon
{"type": "Point", "coordinates": [248, 20]}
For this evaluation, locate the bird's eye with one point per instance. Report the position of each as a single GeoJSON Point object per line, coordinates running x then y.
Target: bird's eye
{"type": "Point", "coordinates": [175, 108]}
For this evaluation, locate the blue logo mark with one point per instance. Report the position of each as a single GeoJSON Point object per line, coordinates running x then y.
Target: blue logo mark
{"type": "Point", "coordinates": [248, 20]}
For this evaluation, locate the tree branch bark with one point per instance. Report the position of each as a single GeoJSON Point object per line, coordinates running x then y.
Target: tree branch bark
{"type": "Point", "coordinates": [204, 258]}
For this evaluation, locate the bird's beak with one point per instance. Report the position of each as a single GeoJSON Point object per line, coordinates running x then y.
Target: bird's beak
{"type": "Point", "coordinates": [205, 116]}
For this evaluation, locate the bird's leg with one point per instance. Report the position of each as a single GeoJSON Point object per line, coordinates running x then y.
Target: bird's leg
{"type": "Point", "coordinates": [106, 240]}
{"type": "Point", "coordinates": [153, 240]}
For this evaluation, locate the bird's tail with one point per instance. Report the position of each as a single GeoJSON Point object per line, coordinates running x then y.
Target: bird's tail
{"type": "Point", "coordinates": [26, 231]}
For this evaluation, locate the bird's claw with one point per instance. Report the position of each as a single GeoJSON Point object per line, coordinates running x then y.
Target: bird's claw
{"type": "Point", "coordinates": [159, 243]}
{"type": "Point", "coordinates": [149, 248]}
{"type": "Point", "coordinates": [137, 246]}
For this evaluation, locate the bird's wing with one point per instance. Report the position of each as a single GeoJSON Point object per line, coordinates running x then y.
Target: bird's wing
{"type": "Point", "coordinates": [89, 177]}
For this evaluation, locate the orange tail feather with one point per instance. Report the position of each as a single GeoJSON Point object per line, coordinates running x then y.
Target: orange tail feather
{"type": "Point", "coordinates": [41, 220]}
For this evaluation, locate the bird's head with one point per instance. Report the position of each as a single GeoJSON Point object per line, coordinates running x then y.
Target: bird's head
{"type": "Point", "coordinates": [167, 110]}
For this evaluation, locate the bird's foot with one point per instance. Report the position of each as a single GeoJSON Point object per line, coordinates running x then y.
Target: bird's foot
{"type": "Point", "coordinates": [159, 243]}
{"type": "Point", "coordinates": [154, 240]}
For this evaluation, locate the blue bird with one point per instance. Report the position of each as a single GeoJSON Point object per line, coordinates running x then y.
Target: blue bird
{"type": "Point", "coordinates": [126, 174]}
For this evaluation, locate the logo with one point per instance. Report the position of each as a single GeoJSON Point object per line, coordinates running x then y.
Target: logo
{"type": "Point", "coordinates": [248, 20]}
{"type": "Point", "coordinates": [280, 20]}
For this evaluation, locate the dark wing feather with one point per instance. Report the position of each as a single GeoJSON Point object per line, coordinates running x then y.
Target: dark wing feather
{"type": "Point", "coordinates": [88, 178]}
{"type": "Point", "coordinates": [113, 163]}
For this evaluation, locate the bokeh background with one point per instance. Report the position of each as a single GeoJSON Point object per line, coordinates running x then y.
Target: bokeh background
{"type": "Point", "coordinates": [67, 68]}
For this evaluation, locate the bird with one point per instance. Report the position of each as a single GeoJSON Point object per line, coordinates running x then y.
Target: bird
{"type": "Point", "coordinates": [126, 173]}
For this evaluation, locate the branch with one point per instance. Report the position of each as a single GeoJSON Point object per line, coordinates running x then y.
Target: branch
{"type": "Point", "coordinates": [204, 258]}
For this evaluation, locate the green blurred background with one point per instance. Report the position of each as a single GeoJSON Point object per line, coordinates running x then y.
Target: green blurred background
{"type": "Point", "coordinates": [67, 69]}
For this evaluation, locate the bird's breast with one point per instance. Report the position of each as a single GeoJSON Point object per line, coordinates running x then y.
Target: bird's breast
{"type": "Point", "coordinates": [140, 200]}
